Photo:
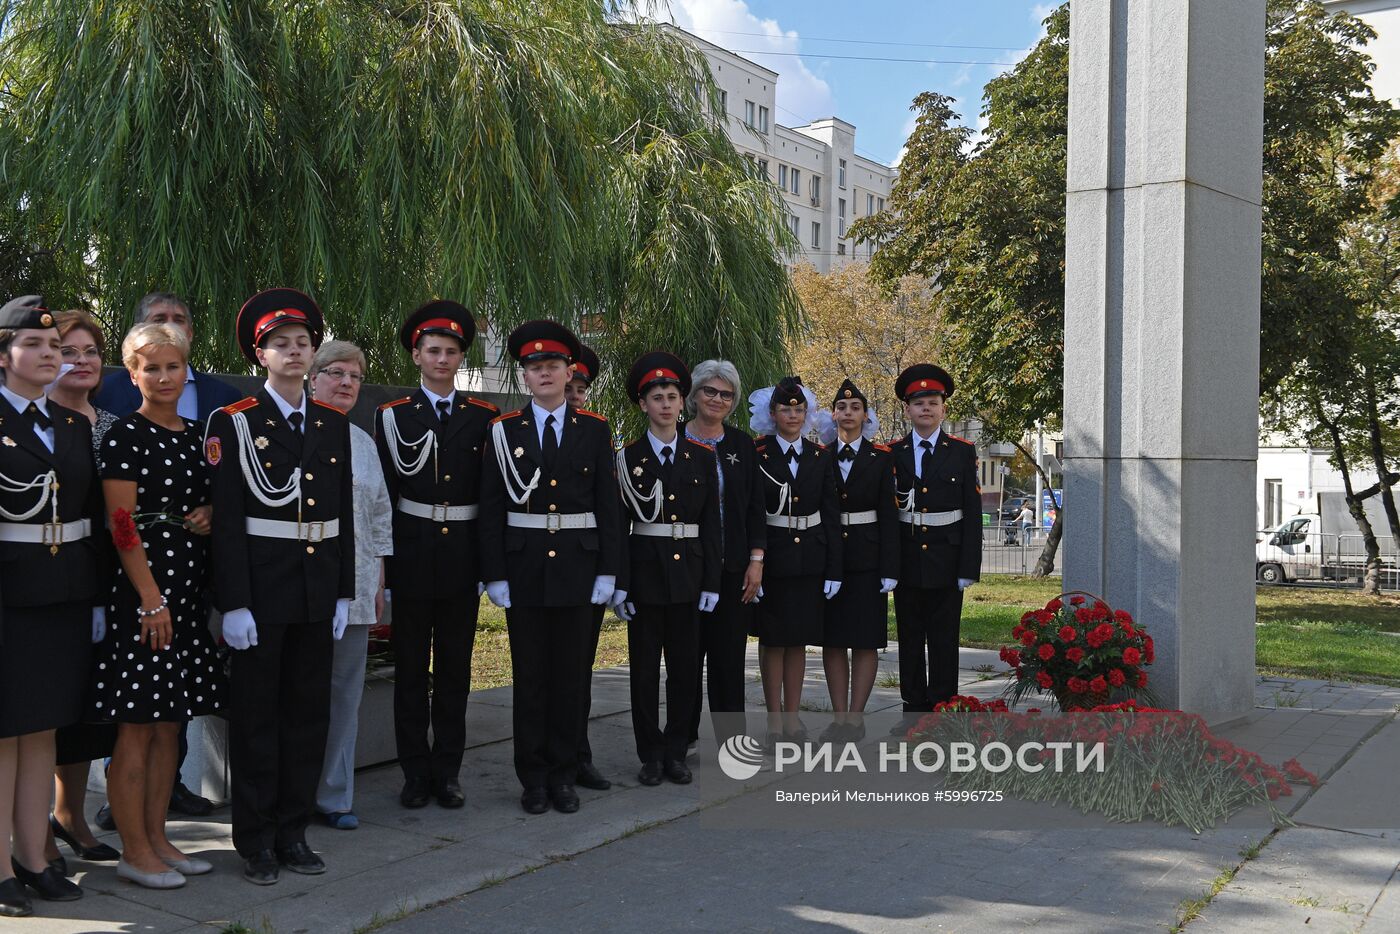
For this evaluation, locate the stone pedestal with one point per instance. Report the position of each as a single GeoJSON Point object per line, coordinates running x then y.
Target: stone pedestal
{"type": "Point", "coordinates": [1162, 330]}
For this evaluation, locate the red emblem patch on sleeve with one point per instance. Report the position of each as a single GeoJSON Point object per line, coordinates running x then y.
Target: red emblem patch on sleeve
{"type": "Point", "coordinates": [213, 451]}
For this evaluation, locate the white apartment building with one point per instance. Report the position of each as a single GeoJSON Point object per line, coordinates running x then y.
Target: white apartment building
{"type": "Point", "coordinates": [826, 184]}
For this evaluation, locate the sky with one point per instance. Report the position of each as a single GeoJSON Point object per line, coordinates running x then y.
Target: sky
{"type": "Point", "coordinates": [798, 40]}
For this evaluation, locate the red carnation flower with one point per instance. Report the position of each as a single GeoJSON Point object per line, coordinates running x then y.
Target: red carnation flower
{"type": "Point", "coordinates": [1131, 656]}
{"type": "Point", "coordinates": [1013, 658]}
{"type": "Point", "coordinates": [124, 530]}
{"type": "Point", "coordinates": [1142, 679]}
{"type": "Point", "coordinates": [1116, 677]}
{"type": "Point", "coordinates": [1016, 632]}
{"type": "Point", "coordinates": [1054, 605]}
{"type": "Point", "coordinates": [1046, 652]}
{"type": "Point", "coordinates": [1027, 637]}
{"type": "Point", "coordinates": [1044, 616]}
{"type": "Point", "coordinates": [1075, 654]}
{"type": "Point", "coordinates": [1067, 634]}
{"type": "Point", "coordinates": [1098, 685]}
{"type": "Point", "coordinates": [1076, 601]}
{"type": "Point", "coordinates": [1027, 616]}
{"type": "Point", "coordinates": [1123, 616]}
{"type": "Point", "coordinates": [1044, 680]}
{"type": "Point", "coordinates": [1078, 685]}
{"type": "Point", "coordinates": [1082, 615]}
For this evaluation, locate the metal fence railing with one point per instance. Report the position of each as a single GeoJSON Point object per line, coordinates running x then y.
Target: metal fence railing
{"type": "Point", "coordinates": [1009, 549]}
{"type": "Point", "coordinates": [1317, 559]}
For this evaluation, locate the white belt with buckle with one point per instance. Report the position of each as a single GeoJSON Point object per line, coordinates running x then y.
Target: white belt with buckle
{"type": "Point", "coordinates": [869, 517]}
{"type": "Point", "coordinates": [552, 521]}
{"type": "Point", "coordinates": [666, 529]}
{"type": "Point", "coordinates": [931, 518]}
{"type": "Point", "coordinates": [46, 533]}
{"type": "Point", "coordinates": [795, 523]}
{"type": "Point", "coordinates": [298, 531]}
{"type": "Point", "coordinates": [438, 513]}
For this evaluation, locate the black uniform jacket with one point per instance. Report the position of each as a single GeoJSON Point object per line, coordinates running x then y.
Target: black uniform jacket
{"type": "Point", "coordinates": [744, 529]}
{"type": "Point", "coordinates": [282, 580]}
{"type": "Point", "coordinates": [555, 568]}
{"type": "Point", "coordinates": [435, 560]}
{"type": "Point", "coordinates": [669, 570]}
{"type": "Point", "coordinates": [870, 485]}
{"type": "Point", "coordinates": [797, 552]}
{"type": "Point", "coordinates": [936, 556]}
{"type": "Point", "coordinates": [34, 574]}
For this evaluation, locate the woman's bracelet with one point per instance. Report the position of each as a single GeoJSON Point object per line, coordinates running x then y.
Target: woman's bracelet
{"type": "Point", "coordinates": [758, 558]}
{"type": "Point", "coordinates": [147, 613]}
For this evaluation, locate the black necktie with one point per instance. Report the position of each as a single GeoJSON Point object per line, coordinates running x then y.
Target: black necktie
{"type": "Point", "coordinates": [792, 458]}
{"type": "Point", "coordinates": [924, 457]}
{"type": "Point", "coordinates": [444, 410]}
{"type": "Point", "coordinates": [37, 417]}
{"type": "Point", "coordinates": [294, 419]}
{"type": "Point", "coordinates": [666, 462]}
{"type": "Point", "coordinates": [847, 453]}
{"type": "Point", "coordinates": [551, 443]}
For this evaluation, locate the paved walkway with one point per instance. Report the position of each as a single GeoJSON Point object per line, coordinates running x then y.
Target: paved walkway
{"type": "Point", "coordinates": [679, 858]}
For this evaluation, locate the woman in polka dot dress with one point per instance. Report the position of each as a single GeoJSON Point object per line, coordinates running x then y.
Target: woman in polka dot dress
{"type": "Point", "coordinates": [157, 665]}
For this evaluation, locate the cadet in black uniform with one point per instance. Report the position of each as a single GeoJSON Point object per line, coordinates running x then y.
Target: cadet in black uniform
{"type": "Point", "coordinates": [284, 576]}
{"type": "Point", "coordinates": [670, 495]}
{"type": "Point", "coordinates": [586, 370]}
{"type": "Point", "coordinates": [856, 618]}
{"type": "Point", "coordinates": [803, 558]}
{"type": "Point", "coordinates": [54, 566]}
{"type": "Point", "coordinates": [550, 552]}
{"type": "Point", "coordinates": [431, 445]}
{"type": "Point", "coordinates": [940, 508]}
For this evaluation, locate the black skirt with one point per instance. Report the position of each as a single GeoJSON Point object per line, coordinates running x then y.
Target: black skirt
{"type": "Point", "coordinates": [856, 618]}
{"type": "Point", "coordinates": [790, 613]}
{"type": "Point", "coordinates": [45, 666]}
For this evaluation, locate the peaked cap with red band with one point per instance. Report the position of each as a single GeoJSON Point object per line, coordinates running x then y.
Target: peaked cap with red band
{"type": "Point", "coordinates": [27, 311]}
{"type": "Point", "coordinates": [439, 316]}
{"type": "Point", "coordinates": [543, 340]}
{"type": "Point", "coordinates": [586, 366]}
{"type": "Point", "coordinates": [657, 368]}
{"type": "Point", "coordinates": [267, 311]}
{"type": "Point", "coordinates": [923, 379]}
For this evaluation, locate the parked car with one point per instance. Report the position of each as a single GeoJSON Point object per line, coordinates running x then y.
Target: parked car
{"type": "Point", "coordinates": [1011, 508]}
{"type": "Point", "coordinates": [1324, 544]}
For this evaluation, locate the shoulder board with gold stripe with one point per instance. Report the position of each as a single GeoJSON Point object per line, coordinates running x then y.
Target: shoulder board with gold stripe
{"type": "Point", "coordinates": [481, 402]}
{"type": "Point", "coordinates": [392, 403]}
{"type": "Point", "coordinates": [700, 444]}
{"type": "Point", "coordinates": [601, 418]}
{"type": "Point", "coordinates": [242, 405]}
{"type": "Point", "coordinates": [501, 418]}
{"type": "Point", "coordinates": [880, 447]}
{"type": "Point", "coordinates": [327, 405]}
{"type": "Point", "coordinates": [956, 438]}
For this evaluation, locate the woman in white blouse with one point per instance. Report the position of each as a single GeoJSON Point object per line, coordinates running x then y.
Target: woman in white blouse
{"type": "Point", "coordinates": [338, 373]}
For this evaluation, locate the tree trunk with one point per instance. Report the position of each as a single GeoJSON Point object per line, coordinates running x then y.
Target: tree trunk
{"type": "Point", "coordinates": [1046, 562]}
{"type": "Point", "coordinates": [1371, 581]}
{"type": "Point", "coordinates": [1373, 426]}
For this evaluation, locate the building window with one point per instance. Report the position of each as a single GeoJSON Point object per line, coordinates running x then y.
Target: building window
{"type": "Point", "coordinates": [748, 113]}
{"type": "Point", "coordinates": [816, 235]}
{"type": "Point", "coordinates": [880, 204]}
{"type": "Point", "coordinates": [841, 219]}
{"type": "Point", "coordinates": [763, 119]}
{"type": "Point", "coordinates": [724, 102]}
{"type": "Point", "coordinates": [841, 172]}
{"type": "Point", "coordinates": [796, 181]}
{"type": "Point", "coordinates": [816, 189]}
{"type": "Point", "coordinates": [763, 167]}
{"type": "Point", "coordinates": [840, 249]}
{"type": "Point", "coordinates": [782, 176]}
{"type": "Point", "coordinates": [1273, 503]}
{"type": "Point", "coordinates": [869, 204]}
{"type": "Point", "coordinates": [793, 223]}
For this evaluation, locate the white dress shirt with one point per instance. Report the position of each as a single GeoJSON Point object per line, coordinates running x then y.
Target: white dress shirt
{"type": "Point", "coordinates": [846, 465]}
{"type": "Point", "coordinates": [285, 407]}
{"type": "Point", "coordinates": [434, 398]}
{"type": "Point", "coordinates": [919, 450]}
{"type": "Point", "coordinates": [785, 447]}
{"type": "Point", "coordinates": [21, 404]}
{"type": "Point", "coordinates": [542, 414]}
{"type": "Point", "coordinates": [188, 406]}
{"type": "Point", "coordinates": [657, 444]}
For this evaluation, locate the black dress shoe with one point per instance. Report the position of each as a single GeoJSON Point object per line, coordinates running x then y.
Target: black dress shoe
{"type": "Point", "coordinates": [677, 772]}
{"type": "Point", "coordinates": [60, 864]}
{"type": "Point", "coordinates": [49, 884]}
{"type": "Point", "coordinates": [186, 802]}
{"type": "Point", "coordinates": [261, 868]}
{"type": "Point", "coordinates": [650, 773]}
{"type": "Point", "coordinates": [104, 818]}
{"type": "Point", "coordinates": [101, 853]}
{"type": "Point", "coordinates": [449, 794]}
{"type": "Point", "coordinates": [14, 900]}
{"type": "Point", "coordinates": [534, 800]}
{"type": "Point", "coordinates": [565, 799]}
{"type": "Point", "coordinates": [416, 792]}
{"type": "Point", "coordinates": [589, 777]}
{"type": "Point", "coordinates": [300, 858]}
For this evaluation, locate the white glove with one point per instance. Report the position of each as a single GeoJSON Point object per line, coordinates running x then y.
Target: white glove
{"type": "Point", "coordinates": [499, 593]}
{"type": "Point", "coordinates": [965, 582]}
{"type": "Point", "coordinates": [389, 595]}
{"type": "Point", "coordinates": [830, 588]}
{"type": "Point", "coordinates": [99, 624]}
{"type": "Point", "coordinates": [240, 632]}
{"type": "Point", "coordinates": [708, 601]}
{"type": "Point", "coordinates": [625, 611]}
{"type": "Point", "coordinates": [618, 598]}
{"type": "Point", "coordinates": [603, 587]}
{"type": "Point", "coordinates": [887, 584]}
{"type": "Point", "coordinates": [480, 589]}
{"type": "Point", "coordinates": [758, 595]}
{"type": "Point", "coordinates": [341, 619]}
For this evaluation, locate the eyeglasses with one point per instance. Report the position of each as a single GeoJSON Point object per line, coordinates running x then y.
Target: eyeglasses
{"type": "Point", "coordinates": [73, 353]}
{"type": "Point", "coordinates": [338, 374]}
{"type": "Point", "coordinates": [723, 395]}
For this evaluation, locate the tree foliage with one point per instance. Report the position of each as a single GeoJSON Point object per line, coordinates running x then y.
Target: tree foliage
{"type": "Point", "coordinates": [552, 158]}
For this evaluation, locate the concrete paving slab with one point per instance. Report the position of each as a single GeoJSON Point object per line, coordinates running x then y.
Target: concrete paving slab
{"type": "Point", "coordinates": [1363, 792]}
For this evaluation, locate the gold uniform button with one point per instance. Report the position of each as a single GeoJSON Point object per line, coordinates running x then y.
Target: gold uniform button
{"type": "Point", "coordinates": [794, 499]}
{"type": "Point", "coordinates": [673, 518]}
{"type": "Point", "coordinates": [844, 535]}
{"type": "Point", "coordinates": [310, 477]}
{"type": "Point", "coordinates": [554, 483]}
{"type": "Point", "coordinates": [924, 490]}
{"type": "Point", "coordinates": [332, 460]}
{"type": "Point", "coordinates": [672, 496]}
{"type": "Point", "coordinates": [311, 549]}
{"type": "Point", "coordinates": [924, 547]}
{"type": "Point", "coordinates": [445, 530]}
{"type": "Point", "coordinates": [552, 507]}
{"type": "Point", "coordinates": [267, 465]}
{"type": "Point", "coordinates": [310, 501]}
{"type": "Point", "coordinates": [447, 478]}
{"type": "Point", "coordinates": [796, 539]}
{"type": "Point", "coordinates": [551, 554]}
{"type": "Point", "coordinates": [676, 557]}
{"type": "Point", "coordinates": [844, 496]}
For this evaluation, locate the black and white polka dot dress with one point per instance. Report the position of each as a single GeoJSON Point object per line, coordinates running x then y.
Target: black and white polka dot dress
{"type": "Point", "coordinates": [135, 683]}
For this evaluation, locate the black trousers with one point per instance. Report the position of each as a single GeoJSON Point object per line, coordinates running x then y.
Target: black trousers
{"type": "Point", "coordinates": [590, 655]}
{"type": "Point", "coordinates": [723, 638]}
{"type": "Point", "coordinates": [546, 657]}
{"type": "Point", "coordinates": [439, 632]}
{"type": "Point", "coordinates": [279, 712]}
{"type": "Point", "coordinates": [672, 629]}
{"type": "Point", "coordinates": [927, 619]}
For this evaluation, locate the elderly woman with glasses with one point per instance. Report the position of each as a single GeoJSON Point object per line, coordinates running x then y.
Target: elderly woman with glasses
{"type": "Point", "coordinates": [713, 397]}
{"type": "Point", "coordinates": [339, 372]}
